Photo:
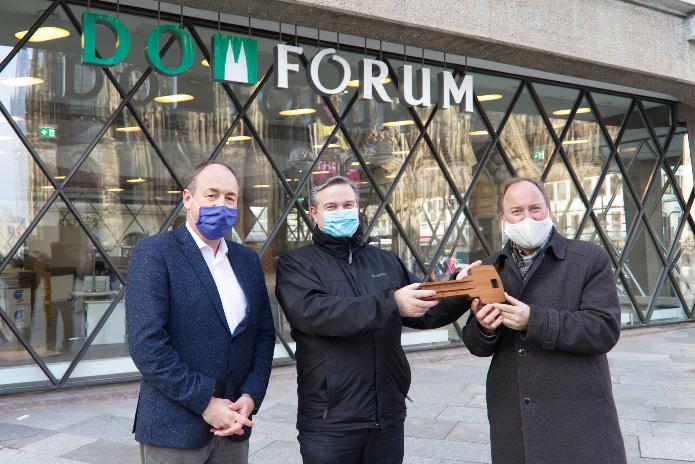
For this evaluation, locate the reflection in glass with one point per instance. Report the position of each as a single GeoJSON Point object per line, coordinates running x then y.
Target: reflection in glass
{"type": "Point", "coordinates": [526, 140]}
{"type": "Point", "coordinates": [56, 288]}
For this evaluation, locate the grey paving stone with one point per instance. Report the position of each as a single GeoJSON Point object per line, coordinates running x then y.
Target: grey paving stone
{"type": "Point", "coordinates": [673, 429]}
{"type": "Point", "coordinates": [674, 448]}
{"type": "Point", "coordinates": [106, 427]}
{"type": "Point", "coordinates": [460, 414]}
{"type": "Point", "coordinates": [635, 427]}
{"type": "Point", "coordinates": [279, 452]}
{"type": "Point", "coordinates": [424, 410]}
{"type": "Point", "coordinates": [279, 412]}
{"type": "Point", "coordinates": [478, 401]}
{"type": "Point", "coordinates": [634, 460]}
{"type": "Point", "coordinates": [637, 412]}
{"type": "Point", "coordinates": [683, 415]}
{"type": "Point", "coordinates": [428, 428]}
{"type": "Point", "coordinates": [59, 444]}
{"type": "Point", "coordinates": [631, 445]}
{"type": "Point", "coordinates": [18, 456]}
{"type": "Point", "coordinates": [54, 418]}
{"type": "Point", "coordinates": [470, 432]}
{"type": "Point", "coordinates": [106, 452]}
{"type": "Point", "coordinates": [453, 450]}
{"type": "Point", "coordinates": [16, 436]}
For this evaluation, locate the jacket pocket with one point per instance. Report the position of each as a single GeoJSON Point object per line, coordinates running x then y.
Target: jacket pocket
{"type": "Point", "coordinates": [594, 377]}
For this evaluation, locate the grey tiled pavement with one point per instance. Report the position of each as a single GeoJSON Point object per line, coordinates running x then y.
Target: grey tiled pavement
{"type": "Point", "coordinates": [654, 385]}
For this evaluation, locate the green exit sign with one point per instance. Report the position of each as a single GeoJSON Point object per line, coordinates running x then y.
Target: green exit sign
{"type": "Point", "coordinates": [47, 131]}
{"type": "Point", "coordinates": [538, 155]}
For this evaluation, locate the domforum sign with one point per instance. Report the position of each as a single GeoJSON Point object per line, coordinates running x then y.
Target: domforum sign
{"type": "Point", "coordinates": [235, 59]}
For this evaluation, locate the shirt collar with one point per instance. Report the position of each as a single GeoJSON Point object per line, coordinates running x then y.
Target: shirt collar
{"type": "Point", "coordinates": [202, 245]}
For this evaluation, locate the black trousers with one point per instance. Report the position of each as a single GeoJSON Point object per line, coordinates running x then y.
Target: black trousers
{"type": "Point", "coordinates": [366, 446]}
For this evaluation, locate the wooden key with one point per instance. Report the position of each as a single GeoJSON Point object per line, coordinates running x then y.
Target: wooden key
{"type": "Point", "coordinates": [482, 282]}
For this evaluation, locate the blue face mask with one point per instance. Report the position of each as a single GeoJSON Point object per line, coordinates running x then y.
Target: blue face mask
{"type": "Point", "coordinates": [214, 222]}
{"type": "Point", "coordinates": [341, 223]}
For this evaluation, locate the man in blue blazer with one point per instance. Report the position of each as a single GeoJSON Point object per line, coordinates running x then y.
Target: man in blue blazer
{"type": "Point", "coordinates": [200, 331]}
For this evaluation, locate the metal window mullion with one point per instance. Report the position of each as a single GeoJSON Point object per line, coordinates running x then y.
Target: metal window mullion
{"type": "Point", "coordinates": [95, 241]}
{"type": "Point", "coordinates": [24, 40]}
{"type": "Point", "coordinates": [621, 275]}
{"type": "Point", "coordinates": [384, 198]}
{"type": "Point", "coordinates": [557, 140]}
{"type": "Point", "coordinates": [482, 164]}
{"type": "Point", "coordinates": [172, 216]}
{"type": "Point", "coordinates": [668, 264]}
{"type": "Point", "coordinates": [241, 110]}
{"type": "Point", "coordinates": [27, 346]}
{"type": "Point", "coordinates": [406, 238]}
{"type": "Point", "coordinates": [122, 92]}
{"type": "Point", "coordinates": [293, 198]}
{"type": "Point", "coordinates": [445, 238]}
{"type": "Point", "coordinates": [90, 337]}
{"type": "Point", "coordinates": [613, 145]}
{"type": "Point", "coordinates": [423, 132]}
{"type": "Point", "coordinates": [46, 206]}
{"type": "Point", "coordinates": [401, 172]}
{"type": "Point", "coordinates": [476, 230]}
{"type": "Point", "coordinates": [503, 123]}
{"type": "Point", "coordinates": [688, 310]}
{"type": "Point", "coordinates": [284, 344]}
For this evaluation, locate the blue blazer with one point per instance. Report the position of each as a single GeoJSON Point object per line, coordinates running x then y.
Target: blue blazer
{"type": "Point", "coordinates": [180, 341]}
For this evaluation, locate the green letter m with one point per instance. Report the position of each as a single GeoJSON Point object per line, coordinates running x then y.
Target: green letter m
{"type": "Point", "coordinates": [234, 59]}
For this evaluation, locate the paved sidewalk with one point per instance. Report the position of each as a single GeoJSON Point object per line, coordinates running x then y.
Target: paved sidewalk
{"type": "Point", "coordinates": [654, 384]}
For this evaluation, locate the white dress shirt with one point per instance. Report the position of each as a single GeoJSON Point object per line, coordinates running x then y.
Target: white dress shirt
{"type": "Point", "coordinates": [231, 294]}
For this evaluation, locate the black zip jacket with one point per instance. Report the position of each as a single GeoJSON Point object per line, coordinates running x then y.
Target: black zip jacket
{"type": "Point", "coordinates": [337, 295]}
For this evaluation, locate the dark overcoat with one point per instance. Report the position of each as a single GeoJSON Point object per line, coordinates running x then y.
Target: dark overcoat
{"type": "Point", "coordinates": [549, 394]}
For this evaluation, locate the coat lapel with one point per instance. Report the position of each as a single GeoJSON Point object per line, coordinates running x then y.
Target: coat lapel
{"type": "Point", "coordinates": [243, 276]}
{"type": "Point", "coordinates": [195, 258]}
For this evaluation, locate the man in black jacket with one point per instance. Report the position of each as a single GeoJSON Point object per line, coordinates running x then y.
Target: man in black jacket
{"type": "Point", "coordinates": [346, 303]}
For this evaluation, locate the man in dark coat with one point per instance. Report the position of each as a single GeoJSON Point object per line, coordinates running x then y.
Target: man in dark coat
{"type": "Point", "coordinates": [346, 303]}
{"type": "Point", "coordinates": [200, 331]}
{"type": "Point", "coordinates": [549, 394]}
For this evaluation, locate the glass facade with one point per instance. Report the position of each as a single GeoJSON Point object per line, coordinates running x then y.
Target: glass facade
{"type": "Point", "coordinates": [95, 160]}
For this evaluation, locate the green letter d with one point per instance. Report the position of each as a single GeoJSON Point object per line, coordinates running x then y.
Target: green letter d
{"type": "Point", "coordinates": [89, 39]}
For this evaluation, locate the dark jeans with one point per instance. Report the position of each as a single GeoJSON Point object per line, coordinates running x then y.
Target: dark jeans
{"type": "Point", "coordinates": [367, 446]}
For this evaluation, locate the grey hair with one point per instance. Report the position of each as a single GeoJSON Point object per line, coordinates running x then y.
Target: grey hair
{"type": "Point", "coordinates": [335, 180]}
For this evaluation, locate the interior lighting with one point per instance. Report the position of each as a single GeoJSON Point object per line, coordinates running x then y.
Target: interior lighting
{"type": "Point", "coordinates": [298, 112]}
{"type": "Point", "coordinates": [490, 97]}
{"type": "Point", "coordinates": [128, 129]}
{"type": "Point", "coordinates": [44, 34]}
{"type": "Point", "coordinates": [330, 145]}
{"type": "Point", "coordinates": [175, 98]}
{"type": "Point", "coordinates": [23, 81]}
{"type": "Point", "coordinates": [404, 122]}
{"type": "Point", "coordinates": [566, 112]}
{"type": "Point", "coordinates": [239, 138]}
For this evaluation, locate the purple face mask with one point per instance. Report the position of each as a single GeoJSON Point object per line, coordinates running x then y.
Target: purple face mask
{"type": "Point", "coordinates": [214, 222]}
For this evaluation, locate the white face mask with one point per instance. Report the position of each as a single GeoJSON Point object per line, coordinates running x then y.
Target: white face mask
{"type": "Point", "coordinates": [529, 233]}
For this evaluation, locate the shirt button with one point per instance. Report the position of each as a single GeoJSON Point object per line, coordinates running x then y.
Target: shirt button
{"type": "Point", "coordinates": [526, 401]}
{"type": "Point", "coordinates": [522, 352]}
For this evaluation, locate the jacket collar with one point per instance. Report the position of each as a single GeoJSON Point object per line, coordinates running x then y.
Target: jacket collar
{"type": "Point", "coordinates": [341, 248]}
{"type": "Point", "coordinates": [557, 245]}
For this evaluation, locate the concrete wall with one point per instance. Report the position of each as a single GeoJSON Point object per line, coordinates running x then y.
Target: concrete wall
{"type": "Point", "coordinates": [640, 44]}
